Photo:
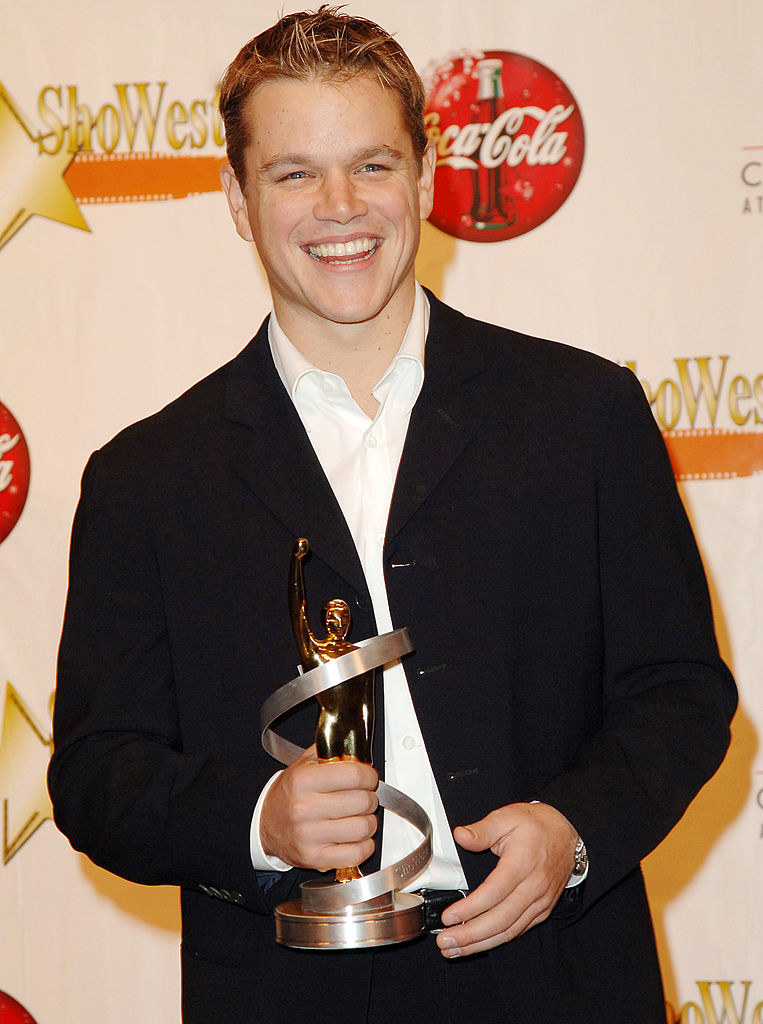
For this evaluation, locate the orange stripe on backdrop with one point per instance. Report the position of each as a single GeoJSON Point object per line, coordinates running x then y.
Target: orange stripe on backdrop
{"type": "Point", "coordinates": [714, 454]}
{"type": "Point", "coordinates": [141, 177]}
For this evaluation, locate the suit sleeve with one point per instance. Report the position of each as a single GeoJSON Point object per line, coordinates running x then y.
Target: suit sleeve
{"type": "Point", "coordinates": [668, 698]}
{"type": "Point", "coordinates": [124, 791]}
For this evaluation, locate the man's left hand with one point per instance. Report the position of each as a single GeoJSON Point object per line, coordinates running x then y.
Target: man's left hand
{"type": "Point", "coordinates": [535, 846]}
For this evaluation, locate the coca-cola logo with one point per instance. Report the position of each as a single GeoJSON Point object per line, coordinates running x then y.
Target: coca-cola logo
{"type": "Point", "coordinates": [12, 1012]}
{"type": "Point", "coordinates": [509, 139]}
{"type": "Point", "coordinates": [14, 471]}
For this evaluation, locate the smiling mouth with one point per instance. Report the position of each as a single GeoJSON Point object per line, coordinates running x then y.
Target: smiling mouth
{"type": "Point", "coordinates": [355, 251]}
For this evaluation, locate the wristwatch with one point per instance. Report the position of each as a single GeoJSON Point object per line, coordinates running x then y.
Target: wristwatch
{"type": "Point", "coordinates": [580, 865]}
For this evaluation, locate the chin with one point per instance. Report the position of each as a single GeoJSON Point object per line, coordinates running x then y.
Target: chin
{"type": "Point", "coordinates": [354, 316]}
{"type": "Point", "coordinates": [349, 311]}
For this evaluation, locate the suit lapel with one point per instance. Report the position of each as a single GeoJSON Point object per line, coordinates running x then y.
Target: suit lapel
{"type": "Point", "coordinates": [279, 464]}
{"type": "Point", "coordinates": [451, 406]}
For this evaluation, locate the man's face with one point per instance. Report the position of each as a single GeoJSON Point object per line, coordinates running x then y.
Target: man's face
{"type": "Point", "coordinates": [334, 199]}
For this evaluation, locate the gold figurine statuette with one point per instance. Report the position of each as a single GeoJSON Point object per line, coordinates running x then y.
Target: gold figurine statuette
{"type": "Point", "coordinates": [346, 721]}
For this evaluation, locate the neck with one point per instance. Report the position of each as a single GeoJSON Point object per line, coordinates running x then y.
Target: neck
{"type": "Point", "coordinates": [358, 353]}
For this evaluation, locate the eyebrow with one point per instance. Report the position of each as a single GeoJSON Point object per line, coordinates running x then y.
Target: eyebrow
{"type": "Point", "coordinates": [305, 159]}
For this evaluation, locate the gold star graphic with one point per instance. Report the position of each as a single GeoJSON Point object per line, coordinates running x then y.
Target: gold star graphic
{"type": "Point", "coordinates": [31, 182]}
{"type": "Point", "coordinates": [24, 754]}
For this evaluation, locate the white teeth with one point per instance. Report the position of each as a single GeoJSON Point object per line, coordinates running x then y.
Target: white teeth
{"type": "Point", "coordinates": [331, 250]}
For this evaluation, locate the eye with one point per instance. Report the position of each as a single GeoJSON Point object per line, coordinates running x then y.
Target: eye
{"type": "Point", "coordinates": [293, 176]}
{"type": "Point", "coordinates": [373, 168]}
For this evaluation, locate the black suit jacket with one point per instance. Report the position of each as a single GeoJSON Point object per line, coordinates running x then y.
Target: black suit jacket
{"type": "Point", "coordinates": [540, 556]}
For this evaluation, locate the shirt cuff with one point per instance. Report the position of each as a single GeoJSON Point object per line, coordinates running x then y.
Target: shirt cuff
{"type": "Point", "coordinates": [260, 860]}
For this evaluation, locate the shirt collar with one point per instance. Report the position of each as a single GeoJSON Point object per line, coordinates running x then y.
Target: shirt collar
{"type": "Point", "coordinates": [292, 366]}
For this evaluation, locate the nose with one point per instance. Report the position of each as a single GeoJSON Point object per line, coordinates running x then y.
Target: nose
{"type": "Point", "coordinates": [339, 199]}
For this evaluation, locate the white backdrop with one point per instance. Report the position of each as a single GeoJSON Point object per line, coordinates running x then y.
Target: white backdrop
{"type": "Point", "coordinates": [656, 259]}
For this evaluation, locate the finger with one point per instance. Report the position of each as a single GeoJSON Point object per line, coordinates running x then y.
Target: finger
{"type": "Point", "coordinates": [340, 842]}
{"type": "Point", "coordinates": [499, 903]}
{"type": "Point", "coordinates": [526, 906]}
{"type": "Point", "coordinates": [346, 803]}
{"type": "Point", "coordinates": [307, 783]}
{"type": "Point", "coordinates": [330, 844]}
{"type": "Point", "coordinates": [489, 932]}
{"type": "Point", "coordinates": [311, 811]}
{"type": "Point", "coordinates": [490, 830]}
{"type": "Point", "coordinates": [502, 881]}
{"type": "Point", "coordinates": [341, 855]}
{"type": "Point", "coordinates": [330, 831]}
{"type": "Point", "coordinates": [330, 776]}
{"type": "Point", "coordinates": [498, 917]}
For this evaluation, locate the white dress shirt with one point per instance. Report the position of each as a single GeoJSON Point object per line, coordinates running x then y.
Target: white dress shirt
{"type": "Point", "coordinates": [360, 457]}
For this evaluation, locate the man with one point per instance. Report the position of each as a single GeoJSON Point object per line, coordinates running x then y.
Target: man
{"type": "Point", "coordinates": [507, 499]}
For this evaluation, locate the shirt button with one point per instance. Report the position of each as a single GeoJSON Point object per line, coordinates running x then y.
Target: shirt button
{"type": "Point", "coordinates": [371, 442]}
{"type": "Point", "coordinates": [380, 539]}
{"type": "Point", "coordinates": [408, 742]}
{"type": "Point", "coordinates": [327, 386]}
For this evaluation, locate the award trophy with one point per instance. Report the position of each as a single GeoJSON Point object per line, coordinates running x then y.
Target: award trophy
{"type": "Point", "coordinates": [354, 911]}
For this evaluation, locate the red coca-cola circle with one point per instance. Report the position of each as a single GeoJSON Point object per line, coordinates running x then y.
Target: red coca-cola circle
{"type": "Point", "coordinates": [14, 473]}
{"type": "Point", "coordinates": [510, 141]}
{"type": "Point", "coordinates": [12, 1012]}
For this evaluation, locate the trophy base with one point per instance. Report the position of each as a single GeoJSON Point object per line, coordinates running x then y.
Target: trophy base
{"type": "Point", "coordinates": [395, 917]}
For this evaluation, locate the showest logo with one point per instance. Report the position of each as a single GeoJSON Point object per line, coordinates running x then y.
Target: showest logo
{"type": "Point", "coordinates": [703, 387]}
{"type": "Point", "coordinates": [720, 1002]}
{"type": "Point", "coordinates": [140, 115]}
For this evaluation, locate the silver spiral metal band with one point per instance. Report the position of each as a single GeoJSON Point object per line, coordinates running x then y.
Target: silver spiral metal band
{"type": "Point", "coordinates": [368, 655]}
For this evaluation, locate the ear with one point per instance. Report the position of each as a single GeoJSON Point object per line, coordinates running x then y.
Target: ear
{"type": "Point", "coordinates": [236, 202]}
{"type": "Point", "coordinates": [426, 182]}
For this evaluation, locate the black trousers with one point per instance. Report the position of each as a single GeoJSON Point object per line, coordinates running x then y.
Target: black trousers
{"type": "Point", "coordinates": [409, 984]}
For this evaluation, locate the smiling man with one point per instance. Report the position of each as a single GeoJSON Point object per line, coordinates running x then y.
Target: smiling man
{"type": "Point", "coordinates": [508, 499]}
{"type": "Point", "coordinates": [332, 192]}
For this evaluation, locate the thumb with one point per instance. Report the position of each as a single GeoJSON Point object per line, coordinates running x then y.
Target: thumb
{"type": "Point", "coordinates": [482, 834]}
{"type": "Point", "coordinates": [308, 756]}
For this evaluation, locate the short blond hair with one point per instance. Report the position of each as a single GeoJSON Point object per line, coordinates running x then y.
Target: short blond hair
{"type": "Point", "coordinates": [320, 44]}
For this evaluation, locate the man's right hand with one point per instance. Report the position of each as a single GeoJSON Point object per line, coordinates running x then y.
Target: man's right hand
{"type": "Point", "coordinates": [320, 815]}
